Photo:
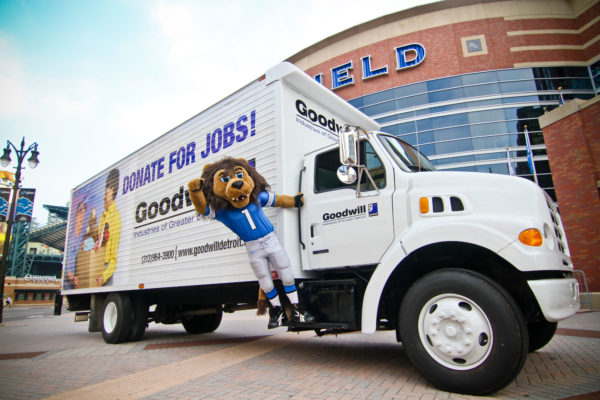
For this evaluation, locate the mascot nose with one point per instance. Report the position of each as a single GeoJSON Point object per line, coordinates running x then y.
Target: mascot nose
{"type": "Point", "coordinates": [238, 184]}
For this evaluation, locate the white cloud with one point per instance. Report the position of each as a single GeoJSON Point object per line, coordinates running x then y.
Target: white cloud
{"type": "Point", "coordinates": [13, 90]}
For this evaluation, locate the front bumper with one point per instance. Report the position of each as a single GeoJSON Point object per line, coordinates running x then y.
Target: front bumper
{"type": "Point", "coordinates": [558, 298]}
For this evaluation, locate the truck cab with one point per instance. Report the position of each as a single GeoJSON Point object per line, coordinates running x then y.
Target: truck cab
{"type": "Point", "coordinates": [466, 267]}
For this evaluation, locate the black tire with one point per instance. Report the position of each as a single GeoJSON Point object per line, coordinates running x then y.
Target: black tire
{"type": "Point", "coordinates": [202, 323]}
{"type": "Point", "coordinates": [463, 332]}
{"type": "Point", "coordinates": [139, 321]}
{"type": "Point", "coordinates": [540, 333]}
{"type": "Point", "coordinates": [116, 318]}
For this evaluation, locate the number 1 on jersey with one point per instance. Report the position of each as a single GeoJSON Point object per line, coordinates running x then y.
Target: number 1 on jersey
{"type": "Point", "coordinates": [249, 218]}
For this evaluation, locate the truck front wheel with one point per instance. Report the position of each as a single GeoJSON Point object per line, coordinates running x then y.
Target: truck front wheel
{"type": "Point", "coordinates": [463, 332]}
{"type": "Point", "coordinates": [116, 318]}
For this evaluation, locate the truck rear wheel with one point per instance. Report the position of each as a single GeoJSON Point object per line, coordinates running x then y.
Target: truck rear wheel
{"type": "Point", "coordinates": [116, 318]}
{"type": "Point", "coordinates": [463, 332]}
{"type": "Point", "coordinates": [202, 323]}
{"type": "Point", "coordinates": [139, 319]}
{"type": "Point", "coordinates": [540, 333]}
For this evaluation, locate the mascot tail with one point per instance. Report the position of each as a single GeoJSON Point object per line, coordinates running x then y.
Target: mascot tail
{"type": "Point", "coordinates": [262, 303]}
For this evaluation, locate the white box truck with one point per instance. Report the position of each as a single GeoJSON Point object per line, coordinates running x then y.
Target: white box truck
{"type": "Point", "coordinates": [471, 270]}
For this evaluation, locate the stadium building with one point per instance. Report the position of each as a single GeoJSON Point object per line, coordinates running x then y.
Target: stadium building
{"type": "Point", "coordinates": [465, 81]}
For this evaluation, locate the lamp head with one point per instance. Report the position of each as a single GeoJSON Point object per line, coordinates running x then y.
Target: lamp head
{"type": "Point", "coordinates": [5, 160]}
{"type": "Point", "coordinates": [33, 160]}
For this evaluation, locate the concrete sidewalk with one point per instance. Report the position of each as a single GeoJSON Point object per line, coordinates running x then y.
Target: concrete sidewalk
{"type": "Point", "coordinates": [52, 356]}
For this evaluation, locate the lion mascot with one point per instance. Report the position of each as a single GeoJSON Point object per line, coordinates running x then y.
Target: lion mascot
{"type": "Point", "coordinates": [234, 193]}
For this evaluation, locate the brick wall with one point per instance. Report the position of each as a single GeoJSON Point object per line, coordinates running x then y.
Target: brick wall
{"type": "Point", "coordinates": [572, 136]}
{"type": "Point", "coordinates": [550, 40]}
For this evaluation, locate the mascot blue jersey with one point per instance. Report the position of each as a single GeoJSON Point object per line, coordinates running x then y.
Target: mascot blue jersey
{"type": "Point", "coordinates": [249, 223]}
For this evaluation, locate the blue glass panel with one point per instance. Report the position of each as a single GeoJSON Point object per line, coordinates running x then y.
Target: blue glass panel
{"type": "Point", "coordinates": [492, 168]}
{"type": "Point", "coordinates": [444, 95]}
{"type": "Point", "coordinates": [458, 132]}
{"type": "Point", "coordinates": [424, 125]}
{"type": "Point", "coordinates": [482, 90]}
{"type": "Point", "coordinates": [482, 103]}
{"type": "Point", "coordinates": [465, 169]}
{"type": "Point", "coordinates": [485, 116]}
{"type": "Point", "coordinates": [454, 146]}
{"type": "Point", "coordinates": [378, 97]}
{"type": "Point", "coordinates": [514, 74]}
{"type": "Point", "coordinates": [408, 102]}
{"type": "Point", "coordinates": [491, 142]}
{"type": "Point", "coordinates": [409, 90]}
{"type": "Point", "coordinates": [394, 117]}
{"type": "Point", "coordinates": [454, 160]}
{"type": "Point", "coordinates": [489, 129]}
{"type": "Point", "coordinates": [520, 99]}
{"type": "Point", "coordinates": [480, 77]}
{"type": "Point", "coordinates": [450, 120]}
{"type": "Point", "coordinates": [380, 108]}
{"type": "Point", "coordinates": [489, 156]}
{"type": "Point", "coordinates": [422, 111]}
{"type": "Point", "coordinates": [400, 129]}
{"type": "Point", "coordinates": [444, 83]}
{"type": "Point", "coordinates": [425, 137]}
{"type": "Point", "coordinates": [410, 139]}
{"type": "Point", "coordinates": [516, 87]}
{"type": "Point", "coordinates": [428, 149]}
{"type": "Point", "coordinates": [512, 140]}
{"type": "Point", "coordinates": [358, 102]}
{"type": "Point", "coordinates": [510, 113]}
{"type": "Point", "coordinates": [449, 107]}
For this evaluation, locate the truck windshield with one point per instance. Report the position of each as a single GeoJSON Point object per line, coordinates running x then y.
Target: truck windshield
{"type": "Point", "coordinates": [406, 156]}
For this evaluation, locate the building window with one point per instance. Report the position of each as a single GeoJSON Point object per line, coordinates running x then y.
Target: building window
{"type": "Point", "coordinates": [474, 45]}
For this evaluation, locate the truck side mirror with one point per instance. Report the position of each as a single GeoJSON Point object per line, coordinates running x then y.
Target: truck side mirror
{"type": "Point", "coordinates": [349, 145]}
{"type": "Point", "coordinates": [346, 174]}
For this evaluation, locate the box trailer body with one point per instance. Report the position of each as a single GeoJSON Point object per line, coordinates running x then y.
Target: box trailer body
{"type": "Point", "coordinates": [272, 122]}
{"type": "Point", "coordinates": [471, 270]}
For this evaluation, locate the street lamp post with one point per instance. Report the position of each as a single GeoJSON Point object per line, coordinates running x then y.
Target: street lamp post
{"type": "Point", "coordinates": [5, 161]}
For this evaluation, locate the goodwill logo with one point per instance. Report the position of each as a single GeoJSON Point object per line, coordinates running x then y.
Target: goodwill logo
{"type": "Point", "coordinates": [350, 214]}
{"type": "Point", "coordinates": [316, 121]}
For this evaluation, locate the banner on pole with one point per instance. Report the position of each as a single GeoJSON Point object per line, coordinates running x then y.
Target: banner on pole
{"type": "Point", "coordinates": [4, 197]}
{"type": "Point", "coordinates": [25, 205]}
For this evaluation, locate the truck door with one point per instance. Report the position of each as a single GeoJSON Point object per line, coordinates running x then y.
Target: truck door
{"type": "Point", "coordinates": [338, 228]}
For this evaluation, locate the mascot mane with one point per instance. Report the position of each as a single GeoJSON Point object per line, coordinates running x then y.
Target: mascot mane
{"type": "Point", "coordinates": [228, 164]}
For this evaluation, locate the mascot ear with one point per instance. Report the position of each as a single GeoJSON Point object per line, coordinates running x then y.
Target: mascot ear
{"type": "Point", "coordinates": [205, 167]}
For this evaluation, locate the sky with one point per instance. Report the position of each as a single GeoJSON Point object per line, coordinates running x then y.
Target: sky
{"type": "Point", "coordinates": [92, 81]}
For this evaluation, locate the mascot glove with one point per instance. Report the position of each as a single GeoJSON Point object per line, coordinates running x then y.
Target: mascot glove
{"type": "Point", "coordinates": [196, 184]}
{"type": "Point", "coordinates": [299, 200]}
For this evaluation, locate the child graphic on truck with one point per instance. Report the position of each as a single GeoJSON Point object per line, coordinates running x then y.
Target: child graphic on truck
{"type": "Point", "coordinates": [109, 229]}
{"type": "Point", "coordinates": [233, 192]}
{"type": "Point", "coordinates": [92, 254]}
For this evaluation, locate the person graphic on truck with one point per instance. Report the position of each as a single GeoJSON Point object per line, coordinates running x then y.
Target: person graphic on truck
{"type": "Point", "coordinates": [234, 193]}
{"type": "Point", "coordinates": [109, 229]}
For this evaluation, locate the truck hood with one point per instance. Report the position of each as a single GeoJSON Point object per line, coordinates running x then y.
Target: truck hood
{"type": "Point", "coordinates": [484, 193]}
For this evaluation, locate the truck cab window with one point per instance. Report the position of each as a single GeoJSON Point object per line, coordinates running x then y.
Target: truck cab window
{"type": "Point", "coordinates": [327, 164]}
{"type": "Point", "coordinates": [326, 174]}
{"type": "Point", "coordinates": [370, 159]}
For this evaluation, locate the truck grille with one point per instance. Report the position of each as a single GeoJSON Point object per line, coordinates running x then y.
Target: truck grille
{"type": "Point", "coordinates": [559, 232]}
